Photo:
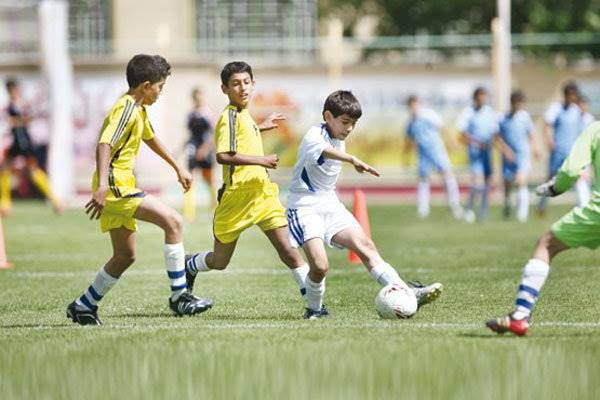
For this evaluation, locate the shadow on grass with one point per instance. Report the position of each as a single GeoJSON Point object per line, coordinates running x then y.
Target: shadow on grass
{"type": "Point", "coordinates": [539, 335]}
{"type": "Point", "coordinates": [142, 315]}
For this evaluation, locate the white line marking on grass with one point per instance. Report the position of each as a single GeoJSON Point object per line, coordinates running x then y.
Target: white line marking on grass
{"type": "Point", "coordinates": [297, 325]}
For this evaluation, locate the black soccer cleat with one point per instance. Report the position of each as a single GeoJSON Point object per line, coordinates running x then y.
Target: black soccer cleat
{"type": "Point", "coordinates": [83, 316]}
{"type": "Point", "coordinates": [189, 277]}
{"type": "Point", "coordinates": [312, 314]}
{"type": "Point", "coordinates": [188, 304]}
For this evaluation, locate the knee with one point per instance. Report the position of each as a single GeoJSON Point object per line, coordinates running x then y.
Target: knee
{"type": "Point", "coordinates": [319, 268]}
{"type": "Point", "coordinates": [175, 223]}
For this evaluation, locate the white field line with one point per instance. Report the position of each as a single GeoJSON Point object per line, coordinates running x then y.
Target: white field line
{"type": "Point", "coordinates": [298, 325]}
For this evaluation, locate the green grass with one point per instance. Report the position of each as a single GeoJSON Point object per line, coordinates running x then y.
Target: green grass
{"type": "Point", "coordinates": [254, 344]}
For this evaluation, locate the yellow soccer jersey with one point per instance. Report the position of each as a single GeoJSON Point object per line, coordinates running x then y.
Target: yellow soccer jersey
{"type": "Point", "coordinates": [237, 132]}
{"type": "Point", "coordinates": [123, 129]}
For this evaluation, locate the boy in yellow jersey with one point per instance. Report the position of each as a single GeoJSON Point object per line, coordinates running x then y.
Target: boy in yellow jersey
{"type": "Point", "coordinates": [247, 196]}
{"type": "Point", "coordinates": [117, 202]}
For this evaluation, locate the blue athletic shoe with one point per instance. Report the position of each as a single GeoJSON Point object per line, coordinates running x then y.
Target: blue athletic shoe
{"type": "Point", "coordinates": [312, 314]}
{"type": "Point", "coordinates": [83, 316]}
{"type": "Point", "coordinates": [188, 304]}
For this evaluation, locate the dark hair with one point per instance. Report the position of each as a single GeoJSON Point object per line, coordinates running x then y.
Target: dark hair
{"type": "Point", "coordinates": [478, 91]}
{"type": "Point", "coordinates": [411, 99]}
{"type": "Point", "coordinates": [342, 102]}
{"type": "Point", "coordinates": [144, 67]}
{"type": "Point", "coordinates": [569, 87]}
{"type": "Point", "coordinates": [517, 96]}
{"type": "Point", "coordinates": [235, 67]}
{"type": "Point", "coordinates": [11, 83]}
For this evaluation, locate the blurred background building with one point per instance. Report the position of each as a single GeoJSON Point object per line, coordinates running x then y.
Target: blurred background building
{"type": "Point", "coordinates": [301, 50]}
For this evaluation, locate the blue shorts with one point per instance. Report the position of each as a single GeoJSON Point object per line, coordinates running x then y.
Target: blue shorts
{"type": "Point", "coordinates": [480, 161]}
{"type": "Point", "coordinates": [521, 165]}
{"type": "Point", "coordinates": [433, 159]}
{"type": "Point", "coordinates": [555, 161]}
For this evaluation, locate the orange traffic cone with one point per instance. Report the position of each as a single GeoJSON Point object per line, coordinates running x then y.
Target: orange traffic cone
{"type": "Point", "coordinates": [4, 264]}
{"type": "Point", "coordinates": [359, 209]}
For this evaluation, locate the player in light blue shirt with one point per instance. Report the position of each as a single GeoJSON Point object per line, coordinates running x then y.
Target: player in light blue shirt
{"type": "Point", "coordinates": [478, 124]}
{"type": "Point", "coordinates": [516, 133]}
{"type": "Point", "coordinates": [423, 129]}
{"type": "Point", "coordinates": [563, 124]}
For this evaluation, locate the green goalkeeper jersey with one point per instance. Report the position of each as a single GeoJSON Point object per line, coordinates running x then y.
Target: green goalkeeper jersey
{"type": "Point", "coordinates": [585, 151]}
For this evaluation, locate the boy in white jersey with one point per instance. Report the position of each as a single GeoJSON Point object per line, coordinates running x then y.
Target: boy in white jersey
{"type": "Point", "coordinates": [315, 214]}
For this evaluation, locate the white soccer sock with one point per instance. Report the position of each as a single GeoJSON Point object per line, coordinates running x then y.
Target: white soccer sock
{"type": "Point", "coordinates": [534, 276]}
{"type": "Point", "coordinates": [315, 292]}
{"type": "Point", "coordinates": [423, 198]}
{"type": "Point", "coordinates": [385, 275]}
{"type": "Point", "coordinates": [582, 188]}
{"type": "Point", "coordinates": [299, 274]}
{"type": "Point", "coordinates": [96, 291]}
{"type": "Point", "coordinates": [197, 263]}
{"type": "Point", "coordinates": [522, 203]}
{"type": "Point", "coordinates": [175, 264]}
{"type": "Point", "coordinates": [452, 191]}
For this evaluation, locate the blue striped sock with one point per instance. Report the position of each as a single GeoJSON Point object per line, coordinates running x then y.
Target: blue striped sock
{"type": "Point", "coordinates": [97, 290]}
{"type": "Point", "coordinates": [533, 279]}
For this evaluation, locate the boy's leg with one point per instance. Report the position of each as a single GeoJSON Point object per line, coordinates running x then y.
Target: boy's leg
{"type": "Point", "coordinates": [289, 255]}
{"type": "Point", "coordinates": [204, 261]}
{"type": "Point", "coordinates": [522, 197]}
{"type": "Point", "coordinates": [208, 177]}
{"type": "Point", "coordinates": [83, 310]}
{"type": "Point", "coordinates": [452, 193]}
{"type": "Point", "coordinates": [533, 278]}
{"type": "Point", "coordinates": [315, 280]}
{"type": "Point", "coordinates": [154, 211]}
{"type": "Point", "coordinates": [423, 195]}
{"type": "Point", "coordinates": [40, 180]}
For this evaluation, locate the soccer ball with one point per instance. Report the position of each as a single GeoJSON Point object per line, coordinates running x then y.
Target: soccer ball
{"type": "Point", "coordinates": [396, 301]}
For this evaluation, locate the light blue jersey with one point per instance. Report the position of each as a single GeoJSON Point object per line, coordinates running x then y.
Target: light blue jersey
{"type": "Point", "coordinates": [423, 128]}
{"type": "Point", "coordinates": [481, 125]}
{"type": "Point", "coordinates": [567, 123]}
{"type": "Point", "coordinates": [515, 130]}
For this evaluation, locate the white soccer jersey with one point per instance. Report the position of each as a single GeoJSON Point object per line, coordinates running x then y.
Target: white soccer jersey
{"type": "Point", "coordinates": [315, 176]}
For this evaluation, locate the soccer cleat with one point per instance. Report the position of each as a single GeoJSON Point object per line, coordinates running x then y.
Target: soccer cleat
{"type": "Point", "coordinates": [312, 314]}
{"type": "Point", "coordinates": [189, 277]}
{"type": "Point", "coordinates": [508, 324]}
{"type": "Point", "coordinates": [426, 293]}
{"type": "Point", "coordinates": [188, 304]}
{"type": "Point", "coordinates": [83, 316]}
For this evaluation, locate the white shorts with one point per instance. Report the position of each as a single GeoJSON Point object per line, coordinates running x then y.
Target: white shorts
{"type": "Point", "coordinates": [318, 221]}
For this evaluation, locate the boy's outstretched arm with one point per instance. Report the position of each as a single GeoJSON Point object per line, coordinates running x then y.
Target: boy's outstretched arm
{"type": "Point", "coordinates": [183, 176]}
{"type": "Point", "coordinates": [579, 158]}
{"type": "Point", "coordinates": [271, 121]}
{"type": "Point", "coordinates": [232, 158]}
{"type": "Point", "coordinates": [95, 206]}
{"type": "Point", "coordinates": [358, 164]}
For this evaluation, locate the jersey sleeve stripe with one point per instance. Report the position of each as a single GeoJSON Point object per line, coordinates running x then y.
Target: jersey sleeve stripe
{"type": "Point", "coordinates": [127, 111]}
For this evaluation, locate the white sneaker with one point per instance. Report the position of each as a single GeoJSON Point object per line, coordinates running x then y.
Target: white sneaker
{"type": "Point", "coordinates": [426, 293]}
{"type": "Point", "coordinates": [469, 216]}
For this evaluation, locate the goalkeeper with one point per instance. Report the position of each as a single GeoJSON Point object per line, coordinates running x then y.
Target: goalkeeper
{"type": "Point", "coordinates": [580, 227]}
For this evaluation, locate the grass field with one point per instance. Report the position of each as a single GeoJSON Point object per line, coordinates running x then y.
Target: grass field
{"type": "Point", "coordinates": [254, 345]}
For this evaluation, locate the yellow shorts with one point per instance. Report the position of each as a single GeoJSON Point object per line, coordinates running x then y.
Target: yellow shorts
{"type": "Point", "coordinates": [122, 201]}
{"type": "Point", "coordinates": [240, 208]}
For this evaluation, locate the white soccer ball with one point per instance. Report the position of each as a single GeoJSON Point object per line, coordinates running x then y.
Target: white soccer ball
{"type": "Point", "coordinates": [396, 301]}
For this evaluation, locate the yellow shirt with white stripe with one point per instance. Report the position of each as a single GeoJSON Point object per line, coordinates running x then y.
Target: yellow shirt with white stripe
{"type": "Point", "coordinates": [124, 128]}
{"type": "Point", "coordinates": [247, 197]}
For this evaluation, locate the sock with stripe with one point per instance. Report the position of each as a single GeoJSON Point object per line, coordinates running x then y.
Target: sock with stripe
{"type": "Point", "coordinates": [315, 291]}
{"type": "Point", "coordinates": [299, 274]}
{"type": "Point", "coordinates": [385, 274]}
{"type": "Point", "coordinates": [175, 264]}
{"type": "Point", "coordinates": [534, 276]}
{"type": "Point", "coordinates": [96, 291]}
{"type": "Point", "coordinates": [197, 263]}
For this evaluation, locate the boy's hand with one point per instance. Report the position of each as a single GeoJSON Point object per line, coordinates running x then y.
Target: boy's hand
{"type": "Point", "coordinates": [271, 161]}
{"type": "Point", "coordinates": [185, 178]}
{"type": "Point", "coordinates": [270, 122]}
{"type": "Point", "coordinates": [95, 206]}
{"type": "Point", "coordinates": [547, 189]}
{"type": "Point", "coordinates": [361, 167]}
